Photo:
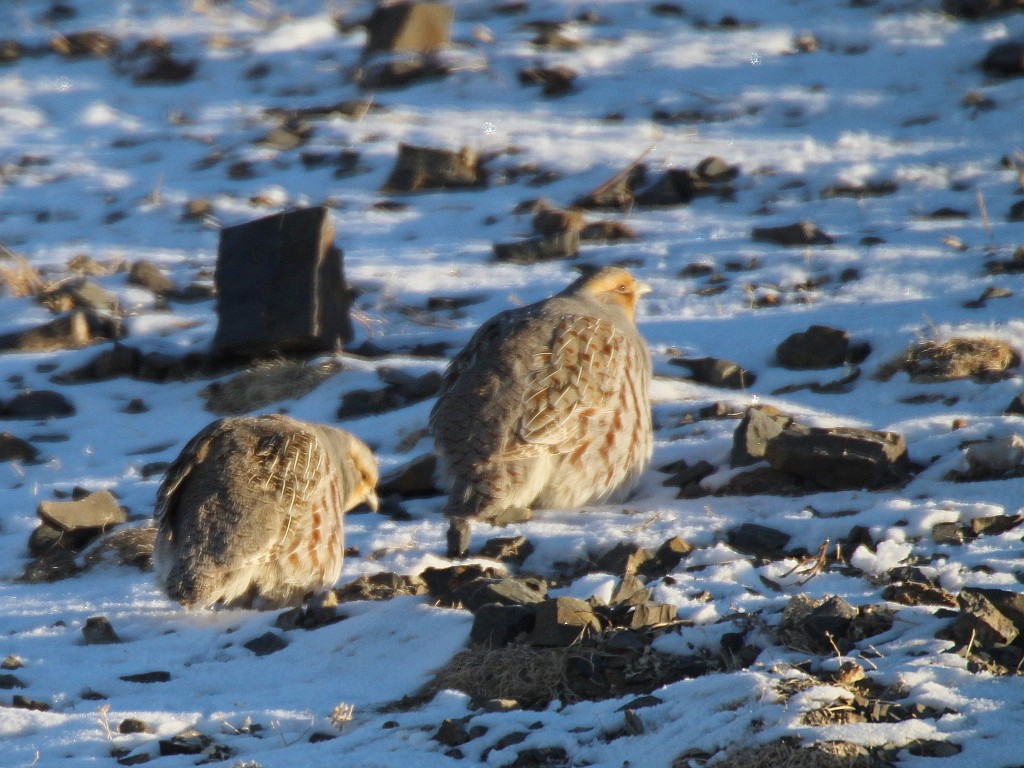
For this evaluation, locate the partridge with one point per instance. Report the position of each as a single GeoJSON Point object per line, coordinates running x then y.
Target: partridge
{"type": "Point", "coordinates": [548, 404]}
{"type": "Point", "coordinates": [250, 513]}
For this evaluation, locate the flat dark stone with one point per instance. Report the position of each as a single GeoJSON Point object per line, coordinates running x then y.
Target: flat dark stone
{"type": "Point", "coordinates": [759, 424]}
{"type": "Point", "coordinates": [496, 625]}
{"type": "Point", "coordinates": [98, 510]}
{"type": "Point", "coordinates": [98, 631]}
{"type": "Point", "coordinates": [818, 347]}
{"type": "Point", "coordinates": [752, 538]}
{"type": "Point", "coordinates": [841, 457]}
{"type": "Point", "coordinates": [266, 644]}
{"type": "Point", "coordinates": [158, 676]}
{"type": "Point", "coordinates": [715, 372]}
{"type": "Point", "coordinates": [802, 233]}
{"type": "Point", "coordinates": [425, 168]}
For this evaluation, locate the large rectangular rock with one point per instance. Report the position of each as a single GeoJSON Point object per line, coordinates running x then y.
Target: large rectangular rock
{"type": "Point", "coordinates": [409, 28]}
{"type": "Point", "coordinates": [280, 286]}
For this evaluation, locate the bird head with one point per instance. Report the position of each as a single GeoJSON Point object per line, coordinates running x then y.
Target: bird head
{"type": "Point", "coordinates": [365, 466]}
{"type": "Point", "coordinates": [612, 285]}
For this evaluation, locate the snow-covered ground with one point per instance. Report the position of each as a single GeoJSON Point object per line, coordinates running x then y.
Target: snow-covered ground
{"type": "Point", "coordinates": [94, 164]}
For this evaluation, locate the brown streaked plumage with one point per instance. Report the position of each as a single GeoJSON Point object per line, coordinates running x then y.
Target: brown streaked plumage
{"type": "Point", "coordinates": [548, 404]}
{"type": "Point", "coordinates": [250, 513]}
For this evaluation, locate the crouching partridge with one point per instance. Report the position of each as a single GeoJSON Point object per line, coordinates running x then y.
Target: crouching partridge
{"type": "Point", "coordinates": [548, 404]}
{"type": "Point", "coordinates": [250, 513]}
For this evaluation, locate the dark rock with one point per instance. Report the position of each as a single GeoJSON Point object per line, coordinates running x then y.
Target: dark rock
{"type": "Point", "coordinates": [266, 644]}
{"type": "Point", "coordinates": [458, 537]}
{"type": "Point", "coordinates": [44, 537]}
{"type": "Point", "coordinates": [398, 73]}
{"type": "Point", "coordinates": [624, 558]}
{"type": "Point", "coordinates": [9, 682]}
{"type": "Point", "coordinates": [1016, 212]}
{"type": "Point", "coordinates": [146, 274]}
{"type": "Point", "coordinates": [88, 43]}
{"type": "Point", "coordinates": [841, 457]}
{"type": "Point", "coordinates": [995, 524]}
{"type": "Point", "coordinates": [524, 591]}
{"type": "Point", "coordinates": [78, 294]}
{"type": "Point", "coordinates": [512, 549]}
{"type": "Point", "coordinates": [412, 388]}
{"type": "Point", "coordinates": [540, 757]}
{"type": "Point", "coordinates": [561, 621]}
{"type": "Point", "coordinates": [763, 481]}
{"type": "Point", "coordinates": [555, 81]}
{"type": "Point", "coordinates": [607, 231]}
{"type": "Point", "coordinates": [444, 583]}
{"type": "Point", "coordinates": [10, 51]}
{"type": "Point", "coordinates": [380, 586]}
{"type": "Point", "coordinates": [119, 360]}
{"type": "Point", "coordinates": [293, 134]}
{"type": "Point", "coordinates": [832, 619]}
{"type": "Point", "coordinates": [715, 372]}
{"type": "Point", "coordinates": [981, 622]}
{"type": "Point", "coordinates": [652, 614]}
{"type": "Point", "coordinates": [618, 192]}
{"type": "Point", "coordinates": [37, 404]}
{"type": "Point", "coordinates": [94, 512]}
{"type": "Point", "coordinates": [13, 448]}
{"type": "Point", "coordinates": [496, 625]}
{"type": "Point", "coordinates": [538, 249]}
{"type": "Point", "coordinates": [367, 402]}
{"type": "Point", "coordinates": [23, 702]}
{"type": "Point", "coordinates": [818, 347]}
{"type": "Point", "coordinates": [679, 186]}
{"type": "Point", "coordinates": [134, 725]}
{"type": "Point", "coordinates": [408, 27]}
{"type": "Point", "coordinates": [188, 742]}
{"type": "Point", "coordinates": [147, 678]}
{"type": "Point", "coordinates": [687, 478]}
{"type": "Point", "coordinates": [630, 591]}
{"type": "Point", "coordinates": [862, 190]}
{"type": "Point", "coordinates": [159, 66]}
{"type": "Point", "coordinates": [913, 593]}
{"type": "Point", "coordinates": [949, 533]}
{"type": "Point", "coordinates": [425, 168]}
{"type": "Point", "coordinates": [77, 328]}
{"type": "Point", "coordinates": [802, 233]}
{"type": "Point", "coordinates": [451, 733]}
{"type": "Point", "coordinates": [1005, 59]}
{"type": "Point", "coordinates": [668, 556]}
{"type": "Point", "coordinates": [280, 286]}
{"type": "Point", "coordinates": [549, 220]}
{"type": "Point", "coordinates": [751, 538]}
{"type": "Point", "coordinates": [98, 631]}
{"type": "Point", "coordinates": [412, 480]}
{"type": "Point", "coordinates": [758, 426]}
{"type": "Point", "coordinates": [979, 9]}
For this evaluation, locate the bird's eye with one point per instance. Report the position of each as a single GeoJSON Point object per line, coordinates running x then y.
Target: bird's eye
{"type": "Point", "coordinates": [622, 288]}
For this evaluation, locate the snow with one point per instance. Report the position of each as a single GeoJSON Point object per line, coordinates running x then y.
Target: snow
{"type": "Point", "coordinates": [881, 100]}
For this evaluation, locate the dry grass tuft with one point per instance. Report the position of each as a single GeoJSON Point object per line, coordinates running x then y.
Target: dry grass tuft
{"type": "Point", "coordinates": [532, 676]}
{"type": "Point", "coordinates": [268, 382]}
{"type": "Point", "coordinates": [785, 753]}
{"type": "Point", "coordinates": [20, 278]}
{"type": "Point", "coordinates": [930, 360]}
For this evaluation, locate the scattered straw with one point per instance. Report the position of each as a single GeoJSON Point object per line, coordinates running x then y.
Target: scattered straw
{"type": "Point", "coordinates": [786, 753]}
{"type": "Point", "coordinates": [20, 278]}
{"type": "Point", "coordinates": [981, 358]}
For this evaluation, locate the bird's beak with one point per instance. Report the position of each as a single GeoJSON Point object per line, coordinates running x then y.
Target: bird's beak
{"type": "Point", "coordinates": [642, 288]}
{"type": "Point", "coordinates": [371, 500]}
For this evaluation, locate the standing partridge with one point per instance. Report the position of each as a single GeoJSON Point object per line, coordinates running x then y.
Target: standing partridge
{"type": "Point", "coordinates": [548, 404]}
{"type": "Point", "coordinates": [250, 513]}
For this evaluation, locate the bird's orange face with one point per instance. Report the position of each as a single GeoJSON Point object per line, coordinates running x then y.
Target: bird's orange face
{"type": "Point", "coordinates": [616, 286]}
{"type": "Point", "coordinates": [366, 474]}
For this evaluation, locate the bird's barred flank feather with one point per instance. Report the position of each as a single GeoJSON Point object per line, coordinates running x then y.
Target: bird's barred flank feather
{"type": "Point", "coordinates": [251, 511]}
{"type": "Point", "coordinates": [548, 404]}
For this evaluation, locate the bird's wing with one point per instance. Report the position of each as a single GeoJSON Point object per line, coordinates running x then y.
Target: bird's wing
{"type": "Point", "coordinates": [571, 386]}
{"type": "Point", "coordinates": [191, 456]}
